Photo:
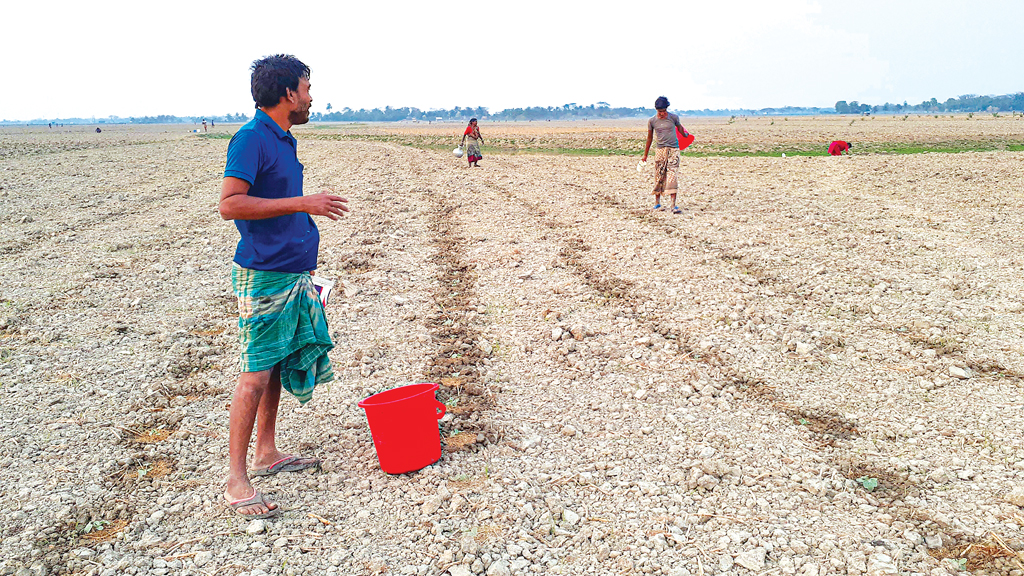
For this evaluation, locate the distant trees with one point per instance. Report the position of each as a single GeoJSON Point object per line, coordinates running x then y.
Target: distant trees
{"type": "Point", "coordinates": [853, 107]}
{"type": "Point", "coordinates": [963, 103]}
{"type": "Point", "coordinates": [570, 111]}
{"type": "Point", "coordinates": [169, 119]}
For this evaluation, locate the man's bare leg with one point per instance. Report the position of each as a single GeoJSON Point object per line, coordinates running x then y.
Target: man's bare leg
{"type": "Point", "coordinates": [657, 200]}
{"type": "Point", "coordinates": [250, 392]}
{"type": "Point", "coordinates": [266, 424]}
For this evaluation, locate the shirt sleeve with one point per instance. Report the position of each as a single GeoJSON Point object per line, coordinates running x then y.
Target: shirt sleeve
{"type": "Point", "coordinates": [243, 156]}
{"type": "Point", "coordinates": [676, 120]}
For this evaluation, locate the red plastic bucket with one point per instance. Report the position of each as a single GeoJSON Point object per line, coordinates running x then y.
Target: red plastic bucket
{"type": "Point", "coordinates": [403, 423]}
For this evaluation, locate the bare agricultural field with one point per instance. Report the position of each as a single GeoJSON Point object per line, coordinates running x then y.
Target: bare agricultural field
{"type": "Point", "coordinates": [816, 369]}
{"type": "Point", "coordinates": [736, 136]}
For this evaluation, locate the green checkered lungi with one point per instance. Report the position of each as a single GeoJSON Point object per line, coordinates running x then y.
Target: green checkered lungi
{"type": "Point", "coordinates": [281, 322]}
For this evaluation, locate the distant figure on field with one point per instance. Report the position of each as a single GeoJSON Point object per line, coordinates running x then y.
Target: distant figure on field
{"type": "Point", "coordinates": [49, 125]}
{"type": "Point", "coordinates": [282, 327]}
{"type": "Point", "coordinates": [475, 140]}
{"type": "Point", "coordinates": [837, 148]}
{"type": "Point", "coordinates": [666, 154]}
{"type": "Point", "coordinates": [212, 123]}
{"type": "Point", "coordinates": [204, 124]}
{"type": "Point", "coordinates": [98, 130]}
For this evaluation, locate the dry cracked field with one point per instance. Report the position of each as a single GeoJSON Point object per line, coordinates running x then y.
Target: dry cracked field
{"type": "Point", "coordinates": [816, 369]}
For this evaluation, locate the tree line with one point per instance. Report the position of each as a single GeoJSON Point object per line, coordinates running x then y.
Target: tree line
{"type": "Point", "coordinates": [571, 111]}
{"type": "Point", "coordinates": [161, 119]}
{"type": "Point", "coordinates": [602, 110]}
{"type": "Point", "coordinates": [964, 103]}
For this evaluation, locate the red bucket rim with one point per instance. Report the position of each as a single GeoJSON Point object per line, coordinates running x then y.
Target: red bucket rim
{"type": "Point", "coordinates": [430, 387]}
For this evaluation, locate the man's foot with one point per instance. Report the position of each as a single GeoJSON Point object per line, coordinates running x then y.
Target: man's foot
{"type": "Point", "coordinates": [676, 210]}
{"type": "Point", "coordinates": [255, 506]}
{"type": "Point", "coordinates": [287, 463]}
{"type": "Point", "coordinates": [657, 207]}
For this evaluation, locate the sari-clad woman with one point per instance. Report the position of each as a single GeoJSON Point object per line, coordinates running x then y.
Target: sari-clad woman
{"type": "Point", "coordinates": [475, 140]}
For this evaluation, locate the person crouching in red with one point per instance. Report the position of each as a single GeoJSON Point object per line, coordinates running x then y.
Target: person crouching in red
{"type": "Point", "coordinates": [837, 148]}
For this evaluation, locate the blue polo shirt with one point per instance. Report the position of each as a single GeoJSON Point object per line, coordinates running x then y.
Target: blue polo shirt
{"type": "Point", "coordinates": [265, 156]}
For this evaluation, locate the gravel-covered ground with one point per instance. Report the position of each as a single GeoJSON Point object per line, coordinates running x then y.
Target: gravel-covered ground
{"type": "Point", "coordinates": [815, 370]}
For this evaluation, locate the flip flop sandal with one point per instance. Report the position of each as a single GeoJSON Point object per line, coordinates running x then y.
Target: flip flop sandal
{"type": "Point", "coordinates": [657, 207]}
{"type": "Point", "coordinates": [256, 498]}
{"type": "Point", "coordinates": [288, 464]}
{"type": "Point", "coordinates": [676, 210]}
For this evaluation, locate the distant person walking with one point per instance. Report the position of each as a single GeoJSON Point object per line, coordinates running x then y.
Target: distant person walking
{"type": "Point", "coordinates": [281, 326]}
{"type": "Point", "coordinates": [837, 147]}
{"type": "Point", "coordinates": [472, 133]}
{"type": "Point", "coordinates": [204, 124]}
{"type": "Point", "coordinates": [666, 153]}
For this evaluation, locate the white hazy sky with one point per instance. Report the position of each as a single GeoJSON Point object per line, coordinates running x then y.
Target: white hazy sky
{"type": "Point", "coordinates": [101, 58]}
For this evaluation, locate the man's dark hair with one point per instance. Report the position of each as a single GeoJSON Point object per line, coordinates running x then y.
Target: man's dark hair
{"type": "Point", "coordinates": [849, 144]}
{"type": "Point", "coordinates": [273, 76]}
{"type": "Point", "coordinates": [661, 103]}
{"type": "Point", "coordinates": [471, 120]}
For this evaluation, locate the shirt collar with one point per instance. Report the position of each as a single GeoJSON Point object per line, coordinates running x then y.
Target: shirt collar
{"type": "Point", "coordinates": [266, 119]}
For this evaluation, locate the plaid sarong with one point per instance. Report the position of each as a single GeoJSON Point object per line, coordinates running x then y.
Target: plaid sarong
{"type": "Point", "coordinates": [281, 322]}
{"type": "Point", "coordinates": [666, 165]}
{"type": "Point", "coordinates": [473, 149]}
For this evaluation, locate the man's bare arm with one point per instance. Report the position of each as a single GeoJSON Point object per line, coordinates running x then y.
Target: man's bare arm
{"type": "Point", "coordinates": [650, 138]}
{"type": "Point", "coordinates": [236, 204]}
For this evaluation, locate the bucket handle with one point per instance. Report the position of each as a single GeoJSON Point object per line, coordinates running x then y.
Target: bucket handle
{"type": "Point", "coordinates": [440, 406]}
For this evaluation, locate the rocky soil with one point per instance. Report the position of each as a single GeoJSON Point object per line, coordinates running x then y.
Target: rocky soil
{"type": "Point", "coordinates": [816, 369]}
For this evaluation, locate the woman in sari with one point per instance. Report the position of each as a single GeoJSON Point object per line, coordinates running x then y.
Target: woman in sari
{"type": "Point", "coordinates": [475, 140]}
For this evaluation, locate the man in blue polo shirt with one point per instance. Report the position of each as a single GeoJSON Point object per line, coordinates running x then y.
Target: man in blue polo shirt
{"type": "Point", "coordinates": [282, 327]}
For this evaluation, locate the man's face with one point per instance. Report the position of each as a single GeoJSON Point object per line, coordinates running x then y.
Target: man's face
{"type": "Point", "coordinates": [300, 101]}
{"type": "Point", "coordinates": [663, 113]}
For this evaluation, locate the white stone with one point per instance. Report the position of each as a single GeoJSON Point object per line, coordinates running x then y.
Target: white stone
{"type": "Point", "coordinates": [460, 570]}
{"type": "Point", "coordinates": [571, 518]}
{"type": "Point", "coordinates": [933, 541]}
{"type": "Point", "coordinates": [914, 538]}
{"type": "Point", "coordinates": [738, 536]}
{"type": "Point", "coordinates": [1016, 497]}
{"type": "Point", "coordinates": [255, 527]}
{"type": "Point", "coordinates": [83, 553]}
{"type": "Point", "coordinates": [431, 504]}
{"type": "Point", "coordinates": [568, 430]}
{"type": "Point", "coordinates": [957, 372]}
{"type": "Point", "coordinates": [752, 560]}
{"type": "Point", "coordinates": [881, 565]}
{"type": "Point", "coordinates": [809, 569]}
{"type": "Point", "coordinates": [499, 568]}
{"type": "Point", "coordinates": [202, 558]}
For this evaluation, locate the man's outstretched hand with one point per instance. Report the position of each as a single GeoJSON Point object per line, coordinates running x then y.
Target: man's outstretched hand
{"type": "Point", "coordinates": [326, 204]}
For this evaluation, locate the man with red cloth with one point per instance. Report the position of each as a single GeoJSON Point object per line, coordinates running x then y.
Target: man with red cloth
{"type": "Point", "coordinates": [837, 148]}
